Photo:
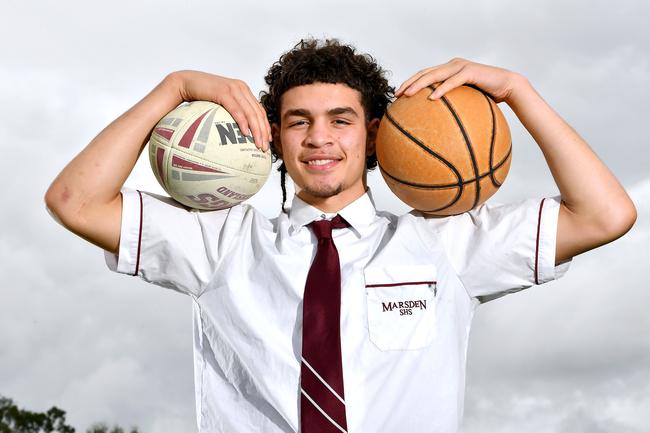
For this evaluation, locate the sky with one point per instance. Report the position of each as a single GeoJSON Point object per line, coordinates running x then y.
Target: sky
{"type": "Point", "coordinates": [570, 356]}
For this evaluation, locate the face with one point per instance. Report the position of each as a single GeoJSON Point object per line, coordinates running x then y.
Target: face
{"type": "Point", "coordinates": [323, 138]}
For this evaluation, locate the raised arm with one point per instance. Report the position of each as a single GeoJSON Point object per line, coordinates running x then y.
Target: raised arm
{"type": "Point", "coordinates": [595, 208]}
{"type": "Point", "coordinates": [85, 197]}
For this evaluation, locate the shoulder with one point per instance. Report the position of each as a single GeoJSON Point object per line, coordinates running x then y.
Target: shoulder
{"type": "Point", "coordinates": [485, 214]}
{"type": "Point", "coordinates": [242, 215]}
{"type": "Point", "coordinates": [170, 212]}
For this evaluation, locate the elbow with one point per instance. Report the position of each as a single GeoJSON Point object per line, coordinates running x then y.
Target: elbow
{"type": "Point", "coordinates": [629, 218]}
{"type": "Point", "coordinates": [619, 219]}
{"type": "Point", "coordinates": [58, 203]}
{"type": "Point", "coordinates": [52, 200]}
{"type": "Point", "coordinates": [56, 198]}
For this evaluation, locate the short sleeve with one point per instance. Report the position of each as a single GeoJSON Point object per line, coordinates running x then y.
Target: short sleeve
{"type": "Point", "coordinates": [500, 249]}
{"type": "Point", "coordinates": [168, 244]}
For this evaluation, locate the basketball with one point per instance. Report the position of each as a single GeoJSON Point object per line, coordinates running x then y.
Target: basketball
{"type": "Point", "coordinates": [446, 156]}
{"type": "Point", "coordinates": [202, 159]}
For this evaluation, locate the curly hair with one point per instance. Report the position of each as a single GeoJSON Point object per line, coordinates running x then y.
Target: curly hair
{"type": "Point", "coordinates": [328, 61]}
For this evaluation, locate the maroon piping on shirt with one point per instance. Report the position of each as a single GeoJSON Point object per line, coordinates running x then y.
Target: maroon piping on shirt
{"type": "Point", "coordinates": [539, 224]}
{"type": "Point", "coordinates": [137, 262]}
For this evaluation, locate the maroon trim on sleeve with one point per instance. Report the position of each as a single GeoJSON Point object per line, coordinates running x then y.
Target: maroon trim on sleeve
{"type": "Point", "coordinates": [539, 225]}
{"type": "Point", "coordinates": [137, 261]}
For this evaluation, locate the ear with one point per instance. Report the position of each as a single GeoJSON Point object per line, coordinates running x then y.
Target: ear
{"type": "Point", "coordinates": [276, 143]}
{"type": "Point", "coordinates": [371, 139]}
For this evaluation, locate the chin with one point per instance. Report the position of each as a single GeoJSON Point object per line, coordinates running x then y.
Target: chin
{"type": "Point", "coordinates": [324, 192]}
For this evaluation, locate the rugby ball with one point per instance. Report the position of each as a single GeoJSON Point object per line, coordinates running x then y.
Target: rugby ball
{"type": "Point", "coordinates": [203, 160]}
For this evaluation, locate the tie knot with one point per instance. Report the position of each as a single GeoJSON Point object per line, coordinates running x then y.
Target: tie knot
{"type": "Point", "coordinates": [323, 228]}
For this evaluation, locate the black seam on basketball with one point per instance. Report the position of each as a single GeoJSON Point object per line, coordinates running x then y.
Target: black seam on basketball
{"type": "Point", "coordinates": [468, 143]}
{"type": "Point", "coordinates": [444, 186]}
{"type": "Point", "coordinates": [411, 137]}
{"type": "Point", "coordinates": [439, 187]}
{"type": "Point", "coordinates": [481, 177]}
{"type": "Point", "coordinates": [492, 139]}
{"type": "Point", "coordinates": [423, 146]}
{"type": "Point", "coordinates": [415, 185]}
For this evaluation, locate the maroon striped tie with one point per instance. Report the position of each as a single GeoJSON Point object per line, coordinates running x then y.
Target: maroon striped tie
{"type": "Point", "coordinates": [322, 402]}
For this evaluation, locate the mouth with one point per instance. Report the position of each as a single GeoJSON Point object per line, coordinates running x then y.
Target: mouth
{"type": "Point", "coordinates": [321, 163]}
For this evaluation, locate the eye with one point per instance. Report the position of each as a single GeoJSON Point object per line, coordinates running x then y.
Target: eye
{"type": "Point", "coordinates": [341, 122]}
{"type": "Point", "coordinates": [297, 123]}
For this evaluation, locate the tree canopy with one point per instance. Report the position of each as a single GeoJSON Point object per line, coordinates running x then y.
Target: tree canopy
{"type": "Point", "coordinates": [16, 420]}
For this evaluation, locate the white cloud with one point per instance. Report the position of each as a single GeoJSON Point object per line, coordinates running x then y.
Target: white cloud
{"type": "Point", "coordinates": [571, 355]}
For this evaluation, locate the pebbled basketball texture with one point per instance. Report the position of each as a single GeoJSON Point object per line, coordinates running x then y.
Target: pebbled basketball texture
{"type": "Point", "coordinates": [446, 156]}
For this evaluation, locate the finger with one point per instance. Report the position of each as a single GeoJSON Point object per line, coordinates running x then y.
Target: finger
{"type": "Point", "coordinates": [250, 111]}
{"type": "Point", "coordinates": [428, 79]}
{"type": "Point", "coordinates": [451, 83]}
{"type": "Point", "coordinates": [408, 82]}
{"type": "Point", "coordinates": [244, 109]}
{"type": "Point", "coordinates": [436, 74]}
{"type": "Point", "coordinates": [237, 111]}
{"type": "Point", "coordinates": [269, 129]}
{"type": "Point", "coordinates": [261, 120]}
{"type": "Point", "coordinates": [418, 85]}
{"type": "Point", "coordinates": [259, 123]}
{"type": "Point", "coordinates": [264, 122]}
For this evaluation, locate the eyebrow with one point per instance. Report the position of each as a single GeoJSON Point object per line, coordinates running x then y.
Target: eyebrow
{"type": "Point", "coordinates": [332, 112]}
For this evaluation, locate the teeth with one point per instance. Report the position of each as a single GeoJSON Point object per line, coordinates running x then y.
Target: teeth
{"type": "Point", "coordinates": [320, 161]}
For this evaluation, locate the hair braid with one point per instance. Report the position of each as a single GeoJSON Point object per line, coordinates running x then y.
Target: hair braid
{"type": "Point", "coordinates": [283, 183]}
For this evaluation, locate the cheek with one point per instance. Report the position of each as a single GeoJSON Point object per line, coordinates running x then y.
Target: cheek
{"type": "Point", "coordinates": [289, 149]}
{"type": "Point", "coordinates": [357, 147]}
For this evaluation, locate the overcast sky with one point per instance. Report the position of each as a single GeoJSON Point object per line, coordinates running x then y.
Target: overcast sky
{"type": "Point", "coordinates": [570, 356]}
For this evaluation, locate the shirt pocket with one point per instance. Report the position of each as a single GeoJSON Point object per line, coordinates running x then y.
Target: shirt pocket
{"type": "Point", "coordinates": [401, 306]}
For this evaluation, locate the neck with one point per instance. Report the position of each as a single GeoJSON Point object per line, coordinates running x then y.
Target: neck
{"type": "Point", "coordinates": [333, 203]}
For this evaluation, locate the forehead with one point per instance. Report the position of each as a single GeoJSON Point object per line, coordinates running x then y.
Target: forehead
{"type": "Point", "coordinates": [320, 97]}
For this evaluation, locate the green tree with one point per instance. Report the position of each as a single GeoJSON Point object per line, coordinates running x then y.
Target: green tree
{"type": "Point", "coordinates": [16, 420]}
{"type": "Point", "coordinates": [103, 428]}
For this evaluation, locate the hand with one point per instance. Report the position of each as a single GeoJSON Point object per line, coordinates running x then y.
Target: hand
{"type": "Point", "coordinates": [497, 82]}
{"type": "Point", "coordinates": [234, 95]}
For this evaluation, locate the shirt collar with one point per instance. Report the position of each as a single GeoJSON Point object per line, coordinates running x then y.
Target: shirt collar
{"type": "Point", "coordinates": [359, 214]}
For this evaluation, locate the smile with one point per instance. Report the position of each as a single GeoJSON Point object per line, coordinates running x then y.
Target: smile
{"type": "Point", "coordinates": [321, 164]}
{"type": "Point", "coordinates": [320, 161]}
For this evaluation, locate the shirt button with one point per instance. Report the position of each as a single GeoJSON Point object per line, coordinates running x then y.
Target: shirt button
{"type": "Point", "coordinates": [322, 216]}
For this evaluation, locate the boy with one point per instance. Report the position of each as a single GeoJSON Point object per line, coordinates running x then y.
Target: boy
{"type": "Point", "coordinates": [334, 317]}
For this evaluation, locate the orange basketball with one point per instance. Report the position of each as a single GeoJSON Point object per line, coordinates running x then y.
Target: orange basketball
{"type": "Point", "coordinates": [447, 156]}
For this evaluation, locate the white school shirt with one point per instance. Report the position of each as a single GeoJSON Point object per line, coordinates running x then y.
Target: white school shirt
{"type": "Point", "coordinates": [410, 286]}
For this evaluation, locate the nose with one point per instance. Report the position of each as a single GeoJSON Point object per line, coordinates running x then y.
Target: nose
{"type": "Point", "coordinates": [318, 134]}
